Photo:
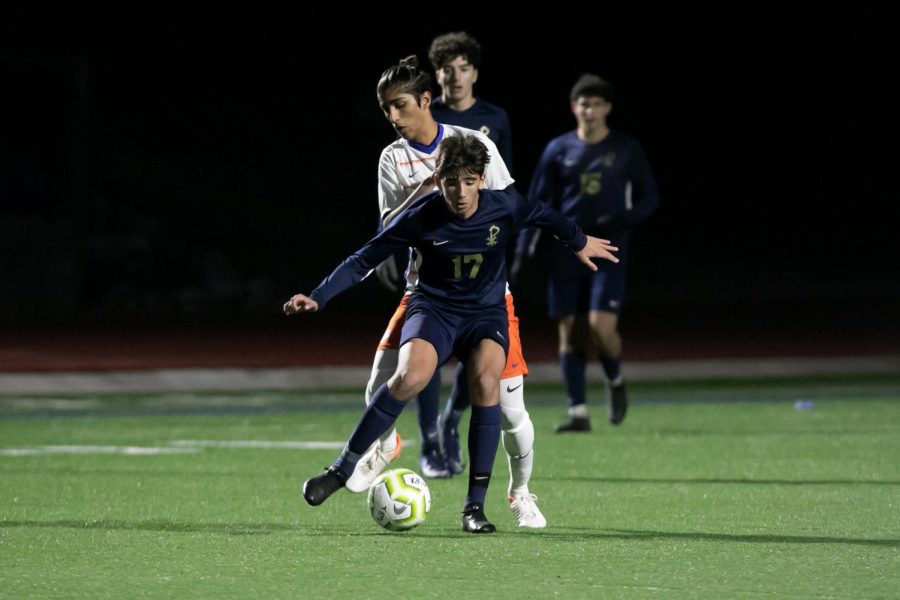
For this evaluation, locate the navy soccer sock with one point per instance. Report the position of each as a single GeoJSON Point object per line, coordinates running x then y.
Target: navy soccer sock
{"type": "Point", "coordinates": [573, 369]}
{"type": "Point", "coordinates": [484, 437]}
{"type": "Point", "coordinates": [378, 417]}
{"type": "Point", "coordinates": [429, 406]}
{"type": "Point", "coordinates": [612, 367]}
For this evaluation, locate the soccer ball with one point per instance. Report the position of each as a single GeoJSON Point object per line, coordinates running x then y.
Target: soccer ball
{"type": "Point", "coordinates": [399, 499]}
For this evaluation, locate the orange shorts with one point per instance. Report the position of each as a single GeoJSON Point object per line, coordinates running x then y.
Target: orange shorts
{"type": "Point", "coordinates": [515, 360]}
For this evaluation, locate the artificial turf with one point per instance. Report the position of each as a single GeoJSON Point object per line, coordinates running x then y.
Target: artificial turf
{"type": "Point", "coordinates": [726, 489]}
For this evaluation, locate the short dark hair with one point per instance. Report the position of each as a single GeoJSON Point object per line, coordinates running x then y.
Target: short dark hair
{"type": "Point", "coordinates": [448, 46]}
{"type": "Point", "coordinates": [405, 78]}
{"type": "Point", "coordinates": [592, 85]}
{"type": "Point", "coordinates": [461, 153]}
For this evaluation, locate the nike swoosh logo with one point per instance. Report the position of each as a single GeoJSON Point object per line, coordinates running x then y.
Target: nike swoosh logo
{"type": "Point", "coordinates": [512, 389]}
{"type": "Point", "coordinates": [399, 508]}
{"type": "Point", "coordinates": [413, 174]}
{"type": "Point", "coordinates": [437, 243]}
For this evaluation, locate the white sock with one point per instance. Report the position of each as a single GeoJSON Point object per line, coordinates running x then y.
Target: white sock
{"type": "Point", "coordinates": [520, 468]}
{"type": "Point", "coordinates": [579, 411]}
{"type": "Point", "coordinates": [383, 367]}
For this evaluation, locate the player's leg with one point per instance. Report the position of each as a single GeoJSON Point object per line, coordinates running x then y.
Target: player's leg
{"type": "Point", "coordinates": [573, 351]}
{"type": "Point", "coordinates": [484, 366]}
{"type": "Point", "coordinates": [566, 301]}
{"type": "Point", "coordinates": [432, 461]}
{"type": "Point", "coordinates": [606, 300]}
{"type": "Point", "coordinates": [457, 404]}
{"type": "Point", "coordinates": [383, 367]}
{"type": "Point", "coordinates": [387, 449]}
{"type": "Point", "coordinates": [605, 332]}
{"type": "Point", "coordinates": [417, 362]}
{"type": "Point", "coordinates": [517, 428]}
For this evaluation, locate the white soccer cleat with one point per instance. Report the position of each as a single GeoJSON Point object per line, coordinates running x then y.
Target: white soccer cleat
{"type": "Point", "coordinates": [370, 466]}
{"type": "Point", "coordinates": [527, 512]}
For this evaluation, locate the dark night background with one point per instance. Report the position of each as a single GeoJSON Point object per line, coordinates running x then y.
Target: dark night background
{"type": "Point", "coordinates": [166, 169]}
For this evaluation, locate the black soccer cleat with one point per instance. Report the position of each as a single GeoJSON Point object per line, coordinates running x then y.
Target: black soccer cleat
{"type": "Point", "coordinates": [474, 521]}
{"type": "Point", "coordinates": [618, 403]}
{"type": "Point", "coordinates": [317, 489]}
{"type": "Point", "coordinates": [574, 424]}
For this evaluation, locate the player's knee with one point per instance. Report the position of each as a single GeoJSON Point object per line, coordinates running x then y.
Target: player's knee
{"type": "Point", "coordinates": [484, 389]}
{"type": "Point", "coordinates": [405, 385]}
{"type": "Point", "coordinates": [604, 325]}
{"type": "Point", "coordinates": [579, 350]}
{"type": "Point", "coordinates": [513, 419]}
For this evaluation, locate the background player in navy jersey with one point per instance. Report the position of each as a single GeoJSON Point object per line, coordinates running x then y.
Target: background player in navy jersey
{"type": "Point", "coordinates": [599, 178]}
{"type": "Point", "coordinates": [457, 308]}
{"type": "Point", "coordinates": [456, 58]}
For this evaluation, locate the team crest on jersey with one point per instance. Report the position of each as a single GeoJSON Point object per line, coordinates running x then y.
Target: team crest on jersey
{"type": "Point", "coordinates": [485, 130]}
{"type": "Point", "coordinates": [492, 235]}
{"type": "Point", "coordinates": [608, 159]}
{"type": "Point", "coordinates": [591, 183]}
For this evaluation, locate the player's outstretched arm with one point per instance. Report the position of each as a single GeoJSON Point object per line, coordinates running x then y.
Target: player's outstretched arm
{"type": "Point", "coordinates": [300, 304]}
{"type": "Point", "coordinates": [596, 248]}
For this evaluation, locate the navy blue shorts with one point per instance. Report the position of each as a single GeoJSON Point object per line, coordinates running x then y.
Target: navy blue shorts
{"type": "Point", "coordinates": [574, 289]}
{"type": "Point", "coordinates": [454, 332]}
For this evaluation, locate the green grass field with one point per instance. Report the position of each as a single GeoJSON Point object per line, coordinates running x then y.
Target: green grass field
{"type": "Point", "coordinates": [709, 490]}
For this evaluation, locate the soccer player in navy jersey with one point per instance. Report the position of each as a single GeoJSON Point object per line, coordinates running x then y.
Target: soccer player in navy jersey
{"type": "Point", "coordinates": [406, 173]}
{"type": "Point", "coordinates": [457, 309]}
{"type": "Point", "coordinates": [456, 58]}
{"type": "Point", "coordinates": [599, 178]}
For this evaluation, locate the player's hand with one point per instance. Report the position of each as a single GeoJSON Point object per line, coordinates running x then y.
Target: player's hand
{"type": "Point", "coordinates": [300, 304]}
{"type": "Point", "coordinates": [596, 248]}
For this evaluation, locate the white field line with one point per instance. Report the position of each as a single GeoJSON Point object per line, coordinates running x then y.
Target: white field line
{"type": "Point", "coordinates": [125, 450]}
{"type": "Point", "coordinates": [264, 444]}
{"type": "Point", "coordinates": [177, 447]}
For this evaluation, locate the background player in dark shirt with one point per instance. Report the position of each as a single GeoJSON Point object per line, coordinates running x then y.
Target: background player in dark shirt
{"type": "Point", "coordinates": [599, 178]}
{"type": "Point", "coordinates": [456, 58]}
{"type": "Point", "coordinates": [457, 309]}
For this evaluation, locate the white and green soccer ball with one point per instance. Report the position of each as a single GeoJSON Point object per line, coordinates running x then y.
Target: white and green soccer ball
{"type": "Point", "coordinates": [399, 499]}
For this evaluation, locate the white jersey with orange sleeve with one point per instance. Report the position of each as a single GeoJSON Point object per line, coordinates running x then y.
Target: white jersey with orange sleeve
{"type": "Point", "coordinates": [406, 171]}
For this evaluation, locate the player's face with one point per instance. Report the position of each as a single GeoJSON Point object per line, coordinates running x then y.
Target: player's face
{"type": "Point", "coordinates": [461, 192]}
{"type": "Point", "coordinates": [456, 79]}
{"type": "Point", "coordinates": [409, 118]}
{"type": "Point", "coordinates": [590, 111]}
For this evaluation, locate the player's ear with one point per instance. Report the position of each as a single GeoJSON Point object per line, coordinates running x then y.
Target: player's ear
{"type": "Point", "coordinates": [474, 76]}
{"type": "Point", "coordinates": [426, 100]}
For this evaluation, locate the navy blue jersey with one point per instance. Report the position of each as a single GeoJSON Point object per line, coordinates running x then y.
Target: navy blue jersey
{"type": "Point", "coordinates": [489, 119]}
{"type": "Point", "coordinates": [606, 188]}
{"type": "Point", "coordinates": [463, 260]}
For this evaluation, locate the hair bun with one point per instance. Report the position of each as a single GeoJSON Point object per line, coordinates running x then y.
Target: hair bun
{"type": "Point", "coordinates": [411, 61]}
